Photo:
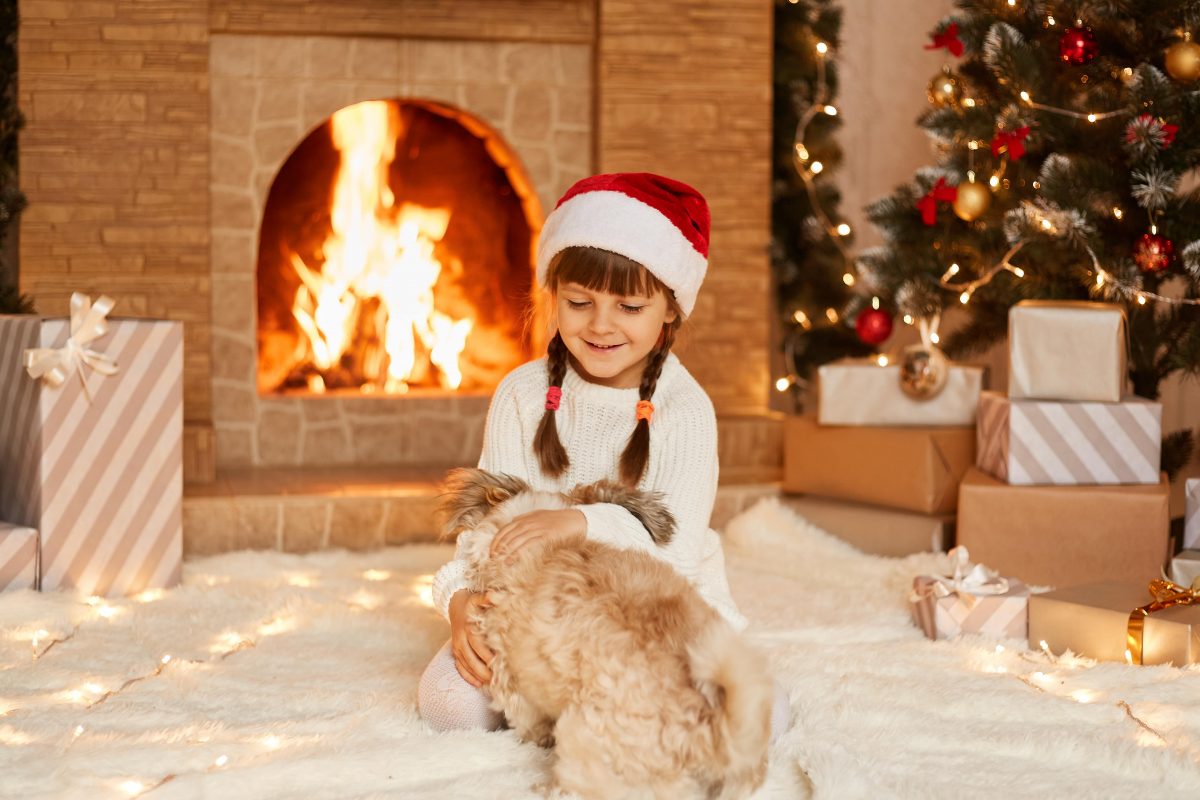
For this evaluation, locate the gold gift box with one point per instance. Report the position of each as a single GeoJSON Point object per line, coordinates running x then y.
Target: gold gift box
{"type": "Point", "coordinates": [1093, 621]}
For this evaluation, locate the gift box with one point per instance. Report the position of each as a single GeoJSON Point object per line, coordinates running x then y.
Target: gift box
{"type": "Point", "coordinates": [1066, 351]}
{"type": "Point", "coordinates": [974, 600]}
{"type": "Point", "coordinates": [1094, 621]}
{"type": "Point", "coordinates": [1191, 521]}
{"type": "Point", "coordinates": [861, 392]}
{"type": "Point", "coordinates": [910, 468]}
{"type": "Point", "coordinates": [18, 557]}
{"type": "Point", "coordinates": [1185, 568]}
{"type": "Point", "coordinates": [1035, 442]}
{"type": "Point", "coordinates": [91, 433]}
{"type": "Point", "coordinates": [880, 531]}
{"type": "Point", "coordinates": [1065, 535]}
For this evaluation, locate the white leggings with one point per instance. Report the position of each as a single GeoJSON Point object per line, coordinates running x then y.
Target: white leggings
{"type": "Point", "coordinates": [447, 702]}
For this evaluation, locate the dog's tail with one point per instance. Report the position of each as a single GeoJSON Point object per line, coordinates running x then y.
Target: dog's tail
{"type": "Point", "coordinates": [733, 679]}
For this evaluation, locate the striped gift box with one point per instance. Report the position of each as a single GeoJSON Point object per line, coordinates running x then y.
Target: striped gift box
{"type": "Point", "coordinates": [18, 557]}
{"type": "Point", "coordinates": [999, 616]}
{"type": "Point", "coordinates": [100, 479]}
{"type": "Point", "coordinates": [1191, 525]}
{"type": "Point", "coordinates": [1045, 442]}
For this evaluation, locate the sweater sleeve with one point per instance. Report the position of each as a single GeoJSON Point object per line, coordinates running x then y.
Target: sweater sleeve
{"type": "Point", "coordinates": [502, 453]}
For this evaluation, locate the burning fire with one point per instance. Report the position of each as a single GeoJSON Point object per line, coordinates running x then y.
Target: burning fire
{"type": "Point", "coordinates": [373, 297]}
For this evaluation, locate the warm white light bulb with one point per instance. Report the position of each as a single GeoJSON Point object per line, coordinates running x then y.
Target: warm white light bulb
{"type": "Point", "coordinates": [831, 111]}
{"type": "Point", "coordinates": [1091, 117]}
{"type": "Point", "coordinates": [994, 181]}
{"type": "Point", "coordinates": [822, 48]}
{"type": "Point", "coordinates": [816, 167]}
{"type": "Point", "coordinates": [908, 320]}
{"type": "Point", "coordinates": [1025, 96]}
{"type": "Point", "coordinates": [843, 229]}
{"type": "Point", "coordinates": [1118, 213]}
{"type": "Point", "coordinates": [848, 279]}
{"type": "Point", "coordinates": [782, 384]}
{"type": "Point", "coordinates": [1141, 299]}
{"type": "Point", "coordinates": [933, 337]}
{"type": "Point", "coordinates": [875, 303]}
{"type": "Point", "coordinates": [882, 360]}
{"type": "Point", "coordinates": [964, 298]}
{"type": "Point", "coordinates": [1020, 273]}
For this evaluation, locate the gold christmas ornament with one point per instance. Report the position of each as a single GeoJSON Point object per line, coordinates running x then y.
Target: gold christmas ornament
{"type": "Point", "coordinates": [972, 201]}
{"type": "Point", "coordinates": [945, 88]}
{"type": "Point", "coordinates": [923, 371]}
{"type": "Point", "coordinates": [1183, 60]}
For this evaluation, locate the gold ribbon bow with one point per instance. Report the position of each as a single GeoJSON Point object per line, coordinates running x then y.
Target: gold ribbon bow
{"type": "Point", "coordinates": [88, 322]}
{"type": "Point", "coordinates": [1166, 594]}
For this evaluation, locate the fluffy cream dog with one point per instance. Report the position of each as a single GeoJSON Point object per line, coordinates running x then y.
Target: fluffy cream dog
{"type": "Point", "coordinates": [610, 655]}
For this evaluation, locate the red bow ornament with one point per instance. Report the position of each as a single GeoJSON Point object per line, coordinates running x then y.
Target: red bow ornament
{"type": "Point", "coordinates": [1012, 141]}
{"type": "Point", "coordinates": [940, 193]}
{"type": "Point", "coordinates": [947, 39]}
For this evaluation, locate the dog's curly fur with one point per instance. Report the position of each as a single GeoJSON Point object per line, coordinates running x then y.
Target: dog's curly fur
{"type": "Point", "coordinates": [610, 655]}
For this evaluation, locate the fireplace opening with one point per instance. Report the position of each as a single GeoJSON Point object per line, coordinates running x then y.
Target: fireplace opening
{"type": "Point", "coordinates": [395, 255]}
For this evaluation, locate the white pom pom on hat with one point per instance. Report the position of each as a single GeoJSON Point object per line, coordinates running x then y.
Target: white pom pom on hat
{"type": "Point", "coordinates": [661, 223]}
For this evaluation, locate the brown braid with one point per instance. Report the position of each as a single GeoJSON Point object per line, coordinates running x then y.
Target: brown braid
{"type": "Point", "coordinates": [637, 451]}
{"type": "Point", "coordinates": [551, 454]}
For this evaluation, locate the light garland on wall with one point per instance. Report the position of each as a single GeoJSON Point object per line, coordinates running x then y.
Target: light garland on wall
{"type": "Point", "coordinates": [808, 170]}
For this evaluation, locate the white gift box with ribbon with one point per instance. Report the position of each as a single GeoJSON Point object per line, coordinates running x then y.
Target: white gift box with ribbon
{"type": "Point", "coordinates": [972, 599]}
{"type": "Point", "coordinates": [91, 433]}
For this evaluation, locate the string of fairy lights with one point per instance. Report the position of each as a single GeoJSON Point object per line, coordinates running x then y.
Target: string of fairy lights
{"type": "Point", "coordinates": [1038, 668]}
{"type": "Point", "coordinates": [94, 693]}
{"type": "Point", "coordinates": [1107, 281]}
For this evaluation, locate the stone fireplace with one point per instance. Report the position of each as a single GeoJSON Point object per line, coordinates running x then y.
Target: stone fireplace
{"type": "Point", "coordinates": [178, 157]}
{"type": "Point", "coordinates": [500, 129]}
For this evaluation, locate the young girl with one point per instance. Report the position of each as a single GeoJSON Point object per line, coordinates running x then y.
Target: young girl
{"type": "Point", "coordinates": [623, 256]}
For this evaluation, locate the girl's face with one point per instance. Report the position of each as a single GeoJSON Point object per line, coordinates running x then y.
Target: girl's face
{"type": "Point", "coordinates": [610, 336]}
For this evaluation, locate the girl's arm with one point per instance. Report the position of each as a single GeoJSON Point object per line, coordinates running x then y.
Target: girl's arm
{"type": "Point", "coordinates": [502, 452]}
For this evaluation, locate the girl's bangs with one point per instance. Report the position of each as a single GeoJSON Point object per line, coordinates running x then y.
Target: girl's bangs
{"type": "Point", "coordinates": [604, 271]}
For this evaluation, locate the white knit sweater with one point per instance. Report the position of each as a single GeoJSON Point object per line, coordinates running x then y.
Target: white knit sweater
{"type": "Point", "coordinates": [594, 423]}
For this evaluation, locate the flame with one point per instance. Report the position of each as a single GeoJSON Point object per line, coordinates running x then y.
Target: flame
{"type": "Point", "coordinates": [376, 252]}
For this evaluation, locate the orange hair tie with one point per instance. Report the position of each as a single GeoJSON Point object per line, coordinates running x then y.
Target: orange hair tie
{"type": "Point", "coordinates": [645, 410]}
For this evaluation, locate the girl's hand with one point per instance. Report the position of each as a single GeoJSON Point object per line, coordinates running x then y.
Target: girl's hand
{"type": "Point", "coordinates": [564, 523]}
{"type": "Point", "coordinates": [471, 654]}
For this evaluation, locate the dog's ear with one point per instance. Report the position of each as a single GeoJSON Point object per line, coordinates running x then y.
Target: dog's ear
{"type": "Point", "coordinates": [469, 494]}
{"type": "Point", "coordinates": [648, 507]}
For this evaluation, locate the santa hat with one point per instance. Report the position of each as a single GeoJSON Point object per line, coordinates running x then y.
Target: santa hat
{"type": "Point", "coordinates": [660, 223]}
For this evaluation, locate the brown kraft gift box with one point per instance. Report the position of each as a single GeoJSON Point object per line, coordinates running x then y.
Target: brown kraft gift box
{"type": "Point", "coordinates": [875, 530]}
{"type": "Point", "coordinates": [1093, 621]}
{"type": "Point", "coordinates": [910, 468]}
{"type": "Point", "coordinates": [1064, 535]}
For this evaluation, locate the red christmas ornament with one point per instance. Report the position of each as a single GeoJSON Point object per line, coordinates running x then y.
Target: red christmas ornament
{"type": "Point", "coordinates": [873, 325]}
{"type": "Point", "coordinates": [1078, 45]}
{"type": "Point", "coordinates": [1153, 252]}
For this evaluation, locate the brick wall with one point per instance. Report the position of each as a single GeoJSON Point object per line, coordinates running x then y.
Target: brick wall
{"type": "Point", "coordinates": [114, 161]}
{"type": "Point", "coordinates": [685, 90]}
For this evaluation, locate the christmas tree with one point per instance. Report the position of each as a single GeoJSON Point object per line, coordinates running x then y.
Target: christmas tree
{"type": "Point", "coordinates": [809, 245]}
{"type": "Point", "coordinates": [11, 199]}
{"type": "Point", "coordinates": [1068, 135]}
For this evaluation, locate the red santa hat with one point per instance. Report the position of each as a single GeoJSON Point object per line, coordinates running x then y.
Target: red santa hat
{"type": "Point", "coordinates": [660, 223]}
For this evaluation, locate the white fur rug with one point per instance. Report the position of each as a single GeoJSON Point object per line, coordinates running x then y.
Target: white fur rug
{"type": "Point", "coordinates": [295, 676]}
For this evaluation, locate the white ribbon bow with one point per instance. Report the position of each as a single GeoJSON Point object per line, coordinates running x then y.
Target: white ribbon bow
{"type": "Point", "coordinates": [969, 581]}
{"type": "Point", "coordinates": [54, 364]}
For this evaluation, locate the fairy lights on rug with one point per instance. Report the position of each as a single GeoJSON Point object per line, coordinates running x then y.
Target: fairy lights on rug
{"type": "Point", "coordinates": [95, 692]}
{"type": "Point", "coordinates": [1051, 678]}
